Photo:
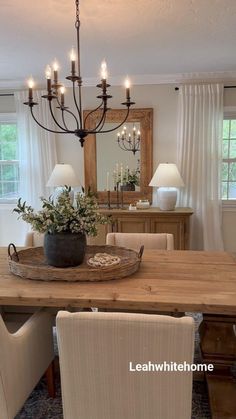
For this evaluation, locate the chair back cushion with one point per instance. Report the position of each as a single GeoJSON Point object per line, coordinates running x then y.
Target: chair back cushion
{"type": "Point", "coordinates": [26, 351]}
{"type": "Point", "coordinates": [95, 352]}
{"type": "Point", "coordinates": [34, 239]}
{"type": "Point", "coordinates": [136, 240]}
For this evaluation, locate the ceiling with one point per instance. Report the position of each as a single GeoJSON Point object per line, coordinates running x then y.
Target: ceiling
{"type": "Point", "coordinates": [136, 37]}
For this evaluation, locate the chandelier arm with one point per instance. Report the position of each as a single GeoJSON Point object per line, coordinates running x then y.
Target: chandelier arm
{"type": "Point", "coordinates": [53, 117]}
{"type": "Point", "coordinates": [71, 113]}
{"type": "Point", "coordinates": [122, 146]}
{"type": "Point", "coordinates": [63, 119]}
{"type": "Point", "coordinates": [80, 105]}
{"type": "Point", "coordinates": [76, 104]}
{"type": "Point", "coordinates": [126, 147]}
{"type": "Point", "coordinates": [58, 102]}
{"type": "Point", "coordinates": [102, 121]}
{"type": "Point", "coordinates": [90, 113]}
{"type": "Point", "coordinates": [118, 126]}
{"type": "Point", "coordinates": [48, 129]}
{"type": "Point", "coordinates": [96, 130]}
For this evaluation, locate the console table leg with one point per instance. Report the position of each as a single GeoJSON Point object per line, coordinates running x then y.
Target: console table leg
{"type": "Point", "coordinates": [218, 346]}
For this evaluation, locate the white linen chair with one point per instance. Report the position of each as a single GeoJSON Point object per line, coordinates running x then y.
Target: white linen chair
{"type": "Point", "coordinates": [134, 241]}
{"type": "Point", "coordinates": [26, 352]}
{"type": "Point", "coordinates": [34, 239]}
{"type": "Point", "coordinates": [95, 351]}
{"type": "Point", "coordinates": [162, 241]}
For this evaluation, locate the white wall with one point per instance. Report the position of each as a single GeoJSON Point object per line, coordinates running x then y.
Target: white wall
{"type": "Point", "coordinates": [164, 100]}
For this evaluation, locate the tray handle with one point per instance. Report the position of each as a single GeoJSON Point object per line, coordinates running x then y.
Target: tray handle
{"type": "Point", "coordinates": [15, 251]}
{"type": "Point", "coordinates": [140, 254]}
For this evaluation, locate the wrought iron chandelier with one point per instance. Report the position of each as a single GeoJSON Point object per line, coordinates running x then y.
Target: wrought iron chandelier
{"type": "Point", "coordinates": [56, 93]}
{"type": "Point", "coordinates": [129, 142]}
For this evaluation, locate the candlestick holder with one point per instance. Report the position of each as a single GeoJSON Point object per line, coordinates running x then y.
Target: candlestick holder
{"type": "Point", "coordinates": [117, 196]}
{"type": "Point", "coordinates": [109, 199]}
{"type": "Point", "coordinates": [121, 197]}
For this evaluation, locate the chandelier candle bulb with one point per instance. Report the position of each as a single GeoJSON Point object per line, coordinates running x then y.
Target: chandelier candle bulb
{"type": "Point", "coordinates": [48, 74]}
{"type": "Point", "coordinates": [31, 85]}
{"type": "Point", "coordinates": [62, 90]}
{"type": "Point", "coordinates": [127, 86]}
{"type": "Point", "coordinates": [73, 58]}
{"type": "Point", "coordinates": [55, 71]}
{"type": "Point", "coordinates": [104, 70]}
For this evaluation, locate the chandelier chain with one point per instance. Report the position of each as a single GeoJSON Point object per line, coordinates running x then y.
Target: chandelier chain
{"type": "Point", "coordinates": [77, 21]}
{"type": "Point", "coordinates": [55, 92]}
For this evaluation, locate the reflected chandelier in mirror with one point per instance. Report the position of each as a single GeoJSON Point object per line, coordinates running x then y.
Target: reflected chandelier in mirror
{"type": "Point", "coordinates": [108, 166]}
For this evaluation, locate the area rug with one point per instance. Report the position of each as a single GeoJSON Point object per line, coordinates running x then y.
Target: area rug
{"type": "Point", "coordinates": [40, 406]}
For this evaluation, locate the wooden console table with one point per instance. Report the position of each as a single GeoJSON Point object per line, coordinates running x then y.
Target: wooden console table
{"type": "Point", "coordinates": [151, 220]}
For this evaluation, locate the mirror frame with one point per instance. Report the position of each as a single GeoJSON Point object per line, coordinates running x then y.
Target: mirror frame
{"type": "Point", "coordinates": [145, 117]}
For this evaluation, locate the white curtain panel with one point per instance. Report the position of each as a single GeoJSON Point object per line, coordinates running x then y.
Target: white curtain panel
{"type": "Point", "coordinates": [200, 122]}
{"type": "Point", "coordinates": [37, 148]}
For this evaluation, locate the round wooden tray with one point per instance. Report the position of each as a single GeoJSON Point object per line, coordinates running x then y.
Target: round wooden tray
{"type": "Point", "coordinates": [30, 263]}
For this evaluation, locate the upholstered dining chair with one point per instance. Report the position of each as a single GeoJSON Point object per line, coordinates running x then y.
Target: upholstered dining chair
{"type": "Point", "coordinates": [98, 354]}
{"type": "Point", "coordinates": [163, 241]}
{"type": "Point", "coordinates": [34, 239]}
{"type": "Point", "coordinates": [26, 353]}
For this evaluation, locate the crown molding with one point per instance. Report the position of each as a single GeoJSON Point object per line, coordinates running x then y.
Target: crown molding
{"type": "Point", "coordinates": [145, 79]}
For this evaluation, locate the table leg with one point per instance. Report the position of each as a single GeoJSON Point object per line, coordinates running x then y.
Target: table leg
{"type": "Point", "coordinates": [218, 346]}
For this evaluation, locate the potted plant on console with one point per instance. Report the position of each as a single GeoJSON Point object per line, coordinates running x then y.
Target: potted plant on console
{"type": "Point", "coordinates": [130, 180]}
{"type": "Point", "coordinates": [65, 225]}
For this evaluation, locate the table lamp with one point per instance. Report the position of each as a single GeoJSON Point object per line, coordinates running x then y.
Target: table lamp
{"type": "Point", "coordinates": [167, 178]}
{"type": "Point", "coordinates": [63, 174]}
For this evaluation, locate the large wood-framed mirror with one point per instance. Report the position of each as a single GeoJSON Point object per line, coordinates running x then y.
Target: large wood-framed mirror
{"type": "Point", "coordinates": [102, 154]}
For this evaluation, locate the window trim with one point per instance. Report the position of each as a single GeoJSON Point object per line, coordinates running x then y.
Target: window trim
{"type": "Point", "coordinates": [8, 117]}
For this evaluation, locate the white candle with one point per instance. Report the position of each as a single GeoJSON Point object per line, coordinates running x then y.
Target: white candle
{"type": "Point", "coordinates": [127, 174]}
{"type": "Point", "coordinates": [117, 172]}
{"type": "Point", "coordinates": [115, 177]}
{"type": "Point", "coordinates": [108, 183]}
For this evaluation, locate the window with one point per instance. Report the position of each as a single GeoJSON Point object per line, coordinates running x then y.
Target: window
{"type": "Point", "coordinates": [9, 159]}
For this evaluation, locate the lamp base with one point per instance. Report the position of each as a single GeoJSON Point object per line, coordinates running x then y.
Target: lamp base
{"type": "Point", "coordinates": [167, 198]}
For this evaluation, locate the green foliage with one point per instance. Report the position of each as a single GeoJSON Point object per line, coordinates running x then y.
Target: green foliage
{"type": "Point", "coordinates": [9, 172]}
{"type": "Point", "coordinates": [132, 177]}
{"type": "Point", "coordinates": [62, 215]}
{"type": "Point", "coordinates": [129, 177]}
{"type": "Point", "coordinates": [8, 142]}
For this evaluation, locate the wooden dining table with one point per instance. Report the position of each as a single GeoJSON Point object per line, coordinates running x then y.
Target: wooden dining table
{"type": "Point", "coordinates": [176, 281]}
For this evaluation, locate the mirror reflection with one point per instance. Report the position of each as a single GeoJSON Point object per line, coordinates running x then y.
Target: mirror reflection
{"type": "Point", "coordinates": [106, 163]}
{"type": "Point", "coordinates": [116, 165]}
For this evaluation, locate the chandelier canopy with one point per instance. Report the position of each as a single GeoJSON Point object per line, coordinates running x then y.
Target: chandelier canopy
{"type": "Point", "coordinates": [56, 93]}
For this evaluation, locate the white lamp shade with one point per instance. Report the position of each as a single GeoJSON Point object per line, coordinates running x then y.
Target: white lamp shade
{"type": "Point", "coordinates": [63, 174]}
{"type": "Point", "coordinates": [167, 175]}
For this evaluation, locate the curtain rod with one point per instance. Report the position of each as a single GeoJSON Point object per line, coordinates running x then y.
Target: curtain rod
{"type": "Point", "coordinates": [225, 87]}
{"type": "Point", "coordinates": [6, 94]}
